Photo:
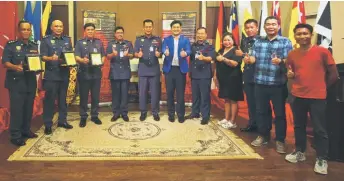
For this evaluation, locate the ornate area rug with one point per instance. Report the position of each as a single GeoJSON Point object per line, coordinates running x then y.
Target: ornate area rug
{"type": "Point", "coordinates": [135, 140]}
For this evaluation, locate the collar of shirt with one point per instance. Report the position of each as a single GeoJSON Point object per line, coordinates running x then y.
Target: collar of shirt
{"type": "Point", "coordinates": [278, 37]}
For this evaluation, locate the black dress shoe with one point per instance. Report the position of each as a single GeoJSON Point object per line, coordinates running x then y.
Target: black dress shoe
{"type": "Point", "coordinates": [204, 121]}
{"type": "Point", "coordinates": [171, 119]}
{"type": "Point", "coordinates": [115, 118]}
{"type": "Point", "coordinates": [156, 117]}
{"type": "Point", "coordinates": [30, 135]}
{"type": "Point", "coordinates": [181, 119]}
{"type": "Point", "coordinates": [143, 116]}
{"type": "Point", "coordinates": [18, 142]}
{"type": "Point", "coordinates": [47, 130]}
{"type": "Point", "coordinates": [96, 121]}
{"type": "Point", "coordinates": [192, 116]}
{"type": "Point", "coordinates": [64, 125]}
{"type": "Point", "coordinates": [125, 118]}
{"type": "Point", "coordinates": [82, 123]}
{"type": "Point", "coordinates": [249, 129]}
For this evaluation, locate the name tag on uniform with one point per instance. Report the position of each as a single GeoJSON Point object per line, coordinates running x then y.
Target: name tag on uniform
{"type": "Point", "coordinates": [197, 55]}
{"type": "Point", "coordinates": [96, 59]}
{"type": "Point", "coordinates": [151, 49]}
{"type": "Point", "coordinates": [121, 54]}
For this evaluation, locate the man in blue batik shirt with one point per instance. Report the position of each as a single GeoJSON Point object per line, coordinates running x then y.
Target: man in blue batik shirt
{"type": "Point", "coordinates": [269, 54]}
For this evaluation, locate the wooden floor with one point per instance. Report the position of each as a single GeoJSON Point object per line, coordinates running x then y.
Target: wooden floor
{"type": "Point", "coordinates": [273, 167]}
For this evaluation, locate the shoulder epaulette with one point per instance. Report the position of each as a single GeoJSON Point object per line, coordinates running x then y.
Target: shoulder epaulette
{"type": "Point", "coordinates": [11, 41]}
{"type": "Point", "coordinates": [66, 36]}
{"type": "Point", "coordinates": [46, 36]}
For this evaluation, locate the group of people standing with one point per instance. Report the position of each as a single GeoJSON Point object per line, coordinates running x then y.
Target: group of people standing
{"type": "Point", "coordinates": [269, 62]}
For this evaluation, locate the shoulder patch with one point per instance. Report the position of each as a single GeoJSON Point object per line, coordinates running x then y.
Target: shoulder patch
{"type": "Point", "coordinates": [46, 36]}
{"type": "Point", "coordinates": [11, 41]}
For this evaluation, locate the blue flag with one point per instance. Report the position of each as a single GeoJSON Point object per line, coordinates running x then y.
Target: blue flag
{"type": "Point", "coordinates": [36, 21]}
{"type": "Point", "coordinates": [28, 16]}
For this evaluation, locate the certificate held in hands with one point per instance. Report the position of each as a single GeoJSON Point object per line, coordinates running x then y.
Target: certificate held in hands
{"type": "Point", "coordinates": [96, 59]}
{"type": "Point", "coordinates": [68, 59]}
{"type": "Point", "coordinates": [33, 63]}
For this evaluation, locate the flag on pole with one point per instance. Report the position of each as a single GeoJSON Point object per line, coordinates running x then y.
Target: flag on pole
{"type": "Point", "coordinates": [297, 16]}
{"type": "Point", "coordinates": [220, 27]}
{"type": "Point", "coordinates": [46, 18]}
{"type": "Point", "coordinates": [263, 16]}
{"type": "Point", "coordinates": [323, 26]}
{"type": "Point", "coordinates": [235, 24]}
{"type": "Point", "coordinates": [28, 16]}
{"type": "Point", "coordinates": [276, 11]}
{"type": "Point", "coordinates": [245, 7]}
{"type": "Point", "coordinates": [36, 20]}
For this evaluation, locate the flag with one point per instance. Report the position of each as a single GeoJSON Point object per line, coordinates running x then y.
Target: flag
{"type": "Point", "coordinates": [46, 19]}
{"type": "Point", "coordinates": [276, 11]}
{"type": "Point", "coordinates": [8, 12]}
{"type": "Point", "coordinates": [263, 16]}
{"type": "Point", "coordinates": [36, 20]}
{"type": "Point", "coordinates": [234, 24]}
{"type": "Point", "coordinates": [297, 16]}
{"type": "Point", "coordinates": [245, 7]}
{"type": "Point", "coordinates": [220, 27]}
{"type": "Point", "coordinates": [323, 25]}
{"type": "Point", "coordinates": [28, 16]}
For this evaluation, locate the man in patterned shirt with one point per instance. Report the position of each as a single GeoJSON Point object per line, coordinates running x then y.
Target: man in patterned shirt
{"type": "Point", "coordinates": [269, 54]}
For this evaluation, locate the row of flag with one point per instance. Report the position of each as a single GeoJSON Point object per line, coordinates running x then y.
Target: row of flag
{"type": "Point", "coordinates": [323, 21]}
{"type": "Point", "coordinates": [40, 21]}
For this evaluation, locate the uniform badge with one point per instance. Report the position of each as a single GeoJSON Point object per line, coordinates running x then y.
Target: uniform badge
{"type": "Point", "coordinates": [142, 40]}
{"type": "Point", "coordinates": [18, 48]}
{"type": "Point", "coordinates": [84, 43]}
{"type": "Point", "coordinates": [33, 51]}
{"type": "Point", "coordinates": [52, 41]}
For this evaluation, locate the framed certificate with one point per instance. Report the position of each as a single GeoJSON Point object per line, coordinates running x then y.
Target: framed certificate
{"type": "Point", "coordinates": [96, 59]}
{"type": "Point", "coordinates": [33, 63]}
{"type": "Point", "coordinates": [68, 59]}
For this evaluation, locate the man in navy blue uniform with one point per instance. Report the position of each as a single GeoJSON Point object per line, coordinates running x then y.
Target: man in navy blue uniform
{"type": "Point", "coordinates": [202, 53]}
{"type": "Point", "coordinates": [119, 51]}
{"type": "Point", "coordinates": [21, 84]}
{"type": "Point", "coordinates": [89, 76]}
{"type": "Point", "coordinates": [148, 50]}
{"type": "Point", "coordinates": [176, 48]}
{"type": "Point", "coordinates": [56, 77]}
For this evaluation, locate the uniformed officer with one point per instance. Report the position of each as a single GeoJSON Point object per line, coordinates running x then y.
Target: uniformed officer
{"type": "Point", "coordinates": [89, 77]}
{"type": "Point", "coordinates": [119, 51]}
{"type": "Point", "coordinates": [148, 50]}
{"type": "Point", "coordinates": [21, 85]}
{"type": "Point", "coordinates": [56, 77]}
{"type": "Point", "coordinates": [202, 53]}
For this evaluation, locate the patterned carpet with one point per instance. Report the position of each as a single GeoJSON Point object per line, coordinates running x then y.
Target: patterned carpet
{"type": "Point", "coordinates": [135, 140]}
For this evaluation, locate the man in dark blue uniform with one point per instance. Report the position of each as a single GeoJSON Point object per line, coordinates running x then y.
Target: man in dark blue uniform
{"type": "Point", "coordinates": [176, 48]}
{"type": "Point", "coordinates": [119, 51]}
{"type": "Point", "coordinates": [89, 76]}
{"type": "Point", "coordinates": [148, 50]}
{"type": "Point", "coordinates": [56, 77]}
{"type": "Point", "coordinates": [202, 53]}
{"type": "Point", "coordinates": [251, 29]}
{"type": "Point", "coordinates": [21, 84]}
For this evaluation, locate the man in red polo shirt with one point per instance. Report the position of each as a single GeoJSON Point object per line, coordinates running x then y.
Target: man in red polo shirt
{"type": "Point", "coordinates": [312, 69]}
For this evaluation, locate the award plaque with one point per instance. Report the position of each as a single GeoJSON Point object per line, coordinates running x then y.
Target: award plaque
{"type": "Point", "coordinates": [95, 59]}
{"type": "Point", "coordinates": [33, 63]}
{"type": "Point", "coordinates": [68, 59]}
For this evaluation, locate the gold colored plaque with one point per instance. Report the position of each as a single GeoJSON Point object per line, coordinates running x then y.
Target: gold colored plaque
{"type": "Point", "coordinates": [34, 64]}
{"type": "Point", "coordinates": [69, 59]}
{"type": "Point", "coordinates": [96, 59]}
